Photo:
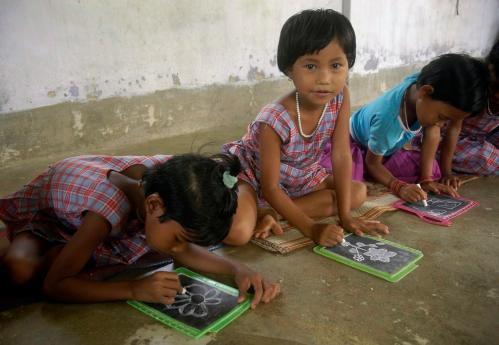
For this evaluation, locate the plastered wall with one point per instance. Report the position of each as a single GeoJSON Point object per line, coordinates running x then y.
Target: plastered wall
{"type": "Point", "coordinates": [75, 75]}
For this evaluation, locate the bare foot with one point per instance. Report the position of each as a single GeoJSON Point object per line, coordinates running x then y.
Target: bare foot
{"type": "Point", "coordinates": [267, 222]}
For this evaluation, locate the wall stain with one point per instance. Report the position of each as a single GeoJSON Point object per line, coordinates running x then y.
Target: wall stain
{"type": "Point", "coordinates": [372, 63]}
{"type": "Point", "coordinates": [77, 123]}
{"type": "Point", "coordinates": [92, 92]}
{"type": "Point", "coordinates": [254, 74]}
{"type": "Point", "coordinates": [176, 79]}
{"type": "Point", "coordinates": [74, 91]}
{"type": "Point", "coordinates": [149, 118]}
{"type": "Point", "coordinates": [4, 99]}
{"type": "Point", "coordinates": [7, 154]}
{"type": "Point", "coordinates": [273, 61]}
{"type": "Point", "coordinates": [233, 78]}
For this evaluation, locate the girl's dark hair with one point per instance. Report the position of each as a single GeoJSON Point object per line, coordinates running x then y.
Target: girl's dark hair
{"type": "Point", "coordinates": [310, 31]}
{"type": "Point", "coordinates": [493, 58]}
{"type": "Point", "coordinates": [458, 80]}
{"type": "Point", "coordinates": [193, 191]}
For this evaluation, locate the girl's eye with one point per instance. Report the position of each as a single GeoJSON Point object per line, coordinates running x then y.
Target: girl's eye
{"type": "Point", "coordinates": [336, 66]}
{"type": "Point", "coordinates": [310, 66]}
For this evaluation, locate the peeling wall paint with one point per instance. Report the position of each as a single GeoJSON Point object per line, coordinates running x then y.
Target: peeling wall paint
{"type": "Point", "coordinates": [55, 51]}
{"type": "Point", "coordinates": [397, 33]}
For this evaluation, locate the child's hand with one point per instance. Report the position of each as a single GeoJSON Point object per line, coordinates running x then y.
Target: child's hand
{"type": "Point", "coordinates": [412, 193]}
{"type": "Point", "coordinates": [438, 188]}
{"type": "Point", "coordinates": [160, 287]}
{"type": "Point", "coordinates": [359, 227]}
{"type": "Point", "coordinates": [267, 222]}
{"type": "Point", "coordinates": [327, 235]}
{"type": "Point", "coordinates": [264, 291]}
{"type": "Point", "coordinates": [451, 180]}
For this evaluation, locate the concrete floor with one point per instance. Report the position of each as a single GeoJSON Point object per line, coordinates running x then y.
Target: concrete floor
{"type": "Point", "coordinates": [452, 298]}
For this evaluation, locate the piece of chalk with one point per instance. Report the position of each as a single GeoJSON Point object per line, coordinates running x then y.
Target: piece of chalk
{"type": "Point", "coordinates": [343, 242]}
{"type": "Point", "coordinates": [425, 203]}
{"type": "Point", "coordinates": [184, 291]}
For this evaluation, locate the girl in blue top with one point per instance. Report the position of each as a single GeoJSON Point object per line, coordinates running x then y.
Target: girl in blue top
{"type": "Point", "coordinates": [449, 88]}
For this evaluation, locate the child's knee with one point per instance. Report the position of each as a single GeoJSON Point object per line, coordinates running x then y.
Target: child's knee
{"type": "Point", "coordinates": [239, 235]}
{"type": "Point", "coordinates": [359, 194]}
{"type": "Point", "coordinates": [19, 271]}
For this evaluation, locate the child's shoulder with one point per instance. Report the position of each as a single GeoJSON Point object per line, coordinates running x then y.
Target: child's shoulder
{"type": "Point", "coordinates": [275, 107]}
{"type": "Point", "coordinates": [389, 102]}
{"type": "Point", "coordinates": [272, 111]}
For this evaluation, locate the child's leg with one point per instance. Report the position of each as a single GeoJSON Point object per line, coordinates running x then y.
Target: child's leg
{"type": "Point", "coordinates": [322, 203]}
{"type": "Point", "coordinates": [405, 165]}
{"type": "Point", "coordinates": [358, 155]}
{"type": "Point", "coordinates": [27, 259]}
{"type": "Point", "coordinates": [244, 221]}
{"type": "Point", "coordinates": [476, 157]}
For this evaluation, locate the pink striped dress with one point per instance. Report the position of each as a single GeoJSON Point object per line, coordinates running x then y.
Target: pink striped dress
{"type": "Point", "coordinates": [53, 204]}
{"type": "Point", "coordinates": [300, 168]}
{"type": "Point", "coordinates": [477, 149]}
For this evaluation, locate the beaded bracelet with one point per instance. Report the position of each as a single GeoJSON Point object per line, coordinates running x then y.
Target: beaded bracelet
{"type": "Point", "coordinates": [396, 185]}
{"type": "Point", "coordinates": [425, 180]}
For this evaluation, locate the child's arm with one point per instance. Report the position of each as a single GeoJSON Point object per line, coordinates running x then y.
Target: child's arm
{"type": "Point", "coordinates": [200, 259]}
{"type": "Point", "coordinates": [431, 140]}
{"type": "Point", "coordinates": [270, 153]}
{"type": "Point", "coordinates": [447, 153]}
{"type": "Point", "coordinates": [64, 282]}
{"type": "Point", "coordinates": [341, 158]}
{"type": "Point", "coordinates": [375, 168]}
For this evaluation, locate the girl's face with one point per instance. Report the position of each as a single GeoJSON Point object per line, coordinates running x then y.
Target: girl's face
{"type": "Point", "coordinates": [168, 237]}
{"type": "Point", "coordinates": [319, 77]}
{"type": "Point", "coordinates": [431, 112]}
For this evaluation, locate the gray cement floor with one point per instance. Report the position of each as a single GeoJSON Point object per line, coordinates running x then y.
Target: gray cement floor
{"type": "Point", "coordinates": [452, 298]}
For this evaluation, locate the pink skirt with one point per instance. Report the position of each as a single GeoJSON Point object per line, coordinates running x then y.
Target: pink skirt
{"type": "Point", "coordinates": [403, 164]}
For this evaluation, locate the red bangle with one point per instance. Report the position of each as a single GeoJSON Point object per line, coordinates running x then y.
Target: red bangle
{"type": "Point", "coordinates": [396, 185]}
{"type": "Point", "coordinates": [425, 179]}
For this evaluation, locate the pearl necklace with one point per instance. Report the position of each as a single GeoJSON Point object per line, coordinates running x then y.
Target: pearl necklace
{"type": "Point", "coordinates": [299, 118]}
{"type": "Point", "coordinates": [406, 120]}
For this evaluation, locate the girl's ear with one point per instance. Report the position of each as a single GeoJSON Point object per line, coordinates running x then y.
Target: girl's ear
{"type": "Point", "coordinates": [425, 90]}
{"type": "Point", "coordinates": [154, 205]}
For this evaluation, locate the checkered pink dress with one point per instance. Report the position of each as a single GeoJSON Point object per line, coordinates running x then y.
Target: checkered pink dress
{"type": "Point", "coordinates": [477, 149]}
{"type": "Point", "coordinates": [300, 169]}
{"type": "Point", "coordinates": [53, 204]}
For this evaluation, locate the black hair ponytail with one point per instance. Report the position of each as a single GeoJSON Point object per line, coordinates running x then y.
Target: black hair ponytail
{"type": "Point", "coordinates": [194, 193]}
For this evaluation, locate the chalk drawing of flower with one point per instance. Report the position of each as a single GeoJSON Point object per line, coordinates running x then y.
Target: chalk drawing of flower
{"type": "Point", "coordinates": [379, 254]}
{"type": "Point", "coordinates": [357, 256]}
{"type": "Point", "coordinates": [194, 301]}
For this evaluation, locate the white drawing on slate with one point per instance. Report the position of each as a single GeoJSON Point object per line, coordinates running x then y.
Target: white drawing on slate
{"type": "Point", "coordinates": [360, 250]}
{"type": "Point", "coordinates": [195, 301]}
{"type": "Point", "coordinates": [446, 204]}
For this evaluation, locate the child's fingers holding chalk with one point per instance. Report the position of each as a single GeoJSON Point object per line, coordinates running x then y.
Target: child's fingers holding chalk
{"type": "Point", "coordinates": [425, 203]}
{"type": "Point", "coordinates": [160, 287]}
{"type": "Point", "coordinates": [327, 235]}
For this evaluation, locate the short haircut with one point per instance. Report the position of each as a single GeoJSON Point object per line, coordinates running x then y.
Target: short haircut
{"type": "Point", "coordinates": [194, 194]}
{"type": "Point", "coordinates": [310, 31]}
{"type": "Point", "coordinates": [458, 80]}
